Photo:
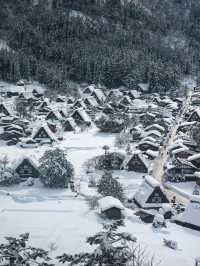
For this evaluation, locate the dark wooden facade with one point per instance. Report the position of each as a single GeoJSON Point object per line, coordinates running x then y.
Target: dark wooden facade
{"type": "Point", "coordinates": [26, 169]}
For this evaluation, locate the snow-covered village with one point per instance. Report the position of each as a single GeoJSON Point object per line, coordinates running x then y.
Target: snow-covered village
{"type": "Point", "coordinates": [99, 133]}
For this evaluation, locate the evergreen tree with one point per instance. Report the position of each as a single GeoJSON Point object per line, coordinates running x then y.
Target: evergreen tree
{"type": "Point", "coordinates": [17, 252]}
{"type": "Point", "coordinates": [56, 170]}
{"type": "Point", "coordinates": [108, 186]}
{"type": "Point", "coordinates": [113, 249]}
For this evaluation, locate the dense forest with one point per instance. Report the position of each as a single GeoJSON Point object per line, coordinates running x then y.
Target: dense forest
{"type": "Point", "coordinates": [112, 42]}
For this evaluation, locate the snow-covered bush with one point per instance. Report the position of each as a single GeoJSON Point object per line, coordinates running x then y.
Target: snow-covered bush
{"type": "Point", "coordinates": [170, 243]}
{"type": "Point", "coordinates": [8, 177]}
{"type": "Point", "coordinates": [108, 186]}
{"type": "Point", "coordinates": [17, 252]}
{"type": "Point", "coordinates": [56, 171]}
{"type": "Point", "coordinates": [109, 161]}
{"type": "Point", "coordinates": [159, 221]}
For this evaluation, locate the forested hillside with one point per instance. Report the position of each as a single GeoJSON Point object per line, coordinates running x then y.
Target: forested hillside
{"type": "Point", "coordinates": [112, 42]}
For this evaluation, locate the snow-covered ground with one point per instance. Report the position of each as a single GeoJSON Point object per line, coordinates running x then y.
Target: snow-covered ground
{"type": "Point", "coordinates": [58, 220]}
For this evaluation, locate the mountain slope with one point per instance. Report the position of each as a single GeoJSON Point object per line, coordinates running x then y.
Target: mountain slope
{"type": "Point", "coordinates": [111, 41]}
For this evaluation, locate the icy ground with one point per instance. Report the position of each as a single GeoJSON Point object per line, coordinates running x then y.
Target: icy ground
{"type": "Point", "coordinates": [59, 221]}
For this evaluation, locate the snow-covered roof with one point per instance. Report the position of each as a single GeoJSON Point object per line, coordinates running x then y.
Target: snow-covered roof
{"type": "Point", "coordinates": [141, 157]}
{"type": "Point", "coordinates": [109, 202]}
{"type": "Point", "coordinates": [135, 93]}
{"type": "Point", "coordinates": [154, 154]}
{"type": "Point", "coordinates": [32, 161]}
{"type": "Point", "coordinates": [152, 132]}
{"type": "Point", "coordinates": [91, 100]}
{"type": "Point", "coordinates": [144, 86]}
{"type": "Point", "coordinates": [194, 157]}
{"type": "Point", "coordinates": [158, 127]}
{"type": "Point", "coordinates": [145, 190]}
{"type": "Point", "coordinates": [83, 115]}
{"type": "Point", "coordinates": [191, 215]}
{"type": "Point", "coordinates": [56, 113]}
{"type": "Point", "coordinates": [149, 143]}
{"type": "Point", "coordinates": [47, 129]}
{"type": "Point", "coordinates": [197, 174]}
{"type": "Point", "coordinates": [99, 94]}
{"type": "Point", "coordinates": [182, 149]}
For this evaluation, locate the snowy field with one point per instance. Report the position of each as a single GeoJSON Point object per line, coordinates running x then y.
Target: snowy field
{"type": "Point", "coordinates": [60, 222]}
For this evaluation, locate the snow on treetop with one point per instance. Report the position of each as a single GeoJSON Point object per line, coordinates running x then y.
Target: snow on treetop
{"type": "Point", "coordinates": [110, 202]}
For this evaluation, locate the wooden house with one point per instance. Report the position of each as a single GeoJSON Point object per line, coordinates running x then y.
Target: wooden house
{"type": "Point", "coordinates": [70, 100]}
{"type": "Point", "coordinates": [60, 99]}
{"type": "Point", "coordinates": [190, 218]}
{"type": "Point", "coordinates": [136, 162]}
{"type": "Point", "coordinates": [195, 160]}
{"type": "Point", "coordinates": [111, 208]}
{"type": "Point", "coordinates": [143, 87]}
{"type": "Point", "coordinates": [183, 170]}
{"type": "Point", "coordinates": [79, 104]}
{"type": "Point", "coordinates": [150, 195]}
{"type": "Point", "coordinates": [54, 116]}
{"type": "Point", "coordinates": [133, 94]}
{"type": "Point", "coordinates": [26, 167]}
{"type": "Point", "coordinates": [126, 100]}
{"type": "Point", "coordinates": [195, 116]}
{"type": "Point", "coordinates": [155, 134]}
{"type": "Point", "coordinates": [155, 127]}
{"type": "Point", "coordinates": [99, 96]}
{"type": "Point", "coordinates": [89, 89]}
{"type": "Point", "coordinates": [90, 102]}
{"type": "Point", "coordinates": [183, 153]}
{"type": "Point", "coordinates": [81, 117]}
{"type": "Point", "coordinates": [147, 118]}
{"type": "Point", "coordinates": [43, 133]}
{"type": "Point", "coordinates": [4, 110]}
{"type": "Point", "coordinates": [148, 145]}
{"type": "Point", "coordinates": [69, 124]}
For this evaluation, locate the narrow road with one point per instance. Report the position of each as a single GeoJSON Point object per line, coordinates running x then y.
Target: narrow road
{"type": "Point", "coordinates": [158, 168]}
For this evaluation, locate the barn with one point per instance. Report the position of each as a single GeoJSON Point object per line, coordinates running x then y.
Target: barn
{"type": "Point", "coordinates": [190, 218]}
{"type": "Point", "coordinates": [150, 195]}
{"type": "Point", "coordinates": [26, 167]}
{"type": "Point", "coordinates": [111, 208]}
{"type": "Point", "coordinates": [136, 162]}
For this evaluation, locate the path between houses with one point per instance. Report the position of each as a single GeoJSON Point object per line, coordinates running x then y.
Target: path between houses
{"type": "Point", "coordinates": [158, 169]}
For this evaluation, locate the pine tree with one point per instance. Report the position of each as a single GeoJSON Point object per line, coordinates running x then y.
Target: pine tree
{"type": "Point", "coordinates": [16, 252]}
{"type": "Point", "coordinates": [113, 249]}
{"type": "Point", "coordinates": [108, 186]}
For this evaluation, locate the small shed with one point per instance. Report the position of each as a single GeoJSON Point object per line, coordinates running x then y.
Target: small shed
{"type": "Point", "coordinates": [190, 218]}
{"type": "Point", "coordinates": [150, 195]}
{"type": "Point", "coordinates": [111, 207]}
{"type": "Point", "coordinates": [26, 167]}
